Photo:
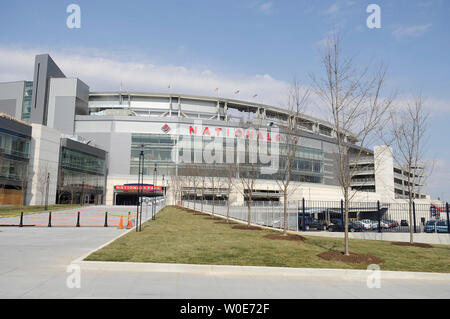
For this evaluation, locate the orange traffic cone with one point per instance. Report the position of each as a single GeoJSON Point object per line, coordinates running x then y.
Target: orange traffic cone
{"type": "Point", "coordinates": [121, 222]}
{"type": "Point", "coordinates": [129, 221]}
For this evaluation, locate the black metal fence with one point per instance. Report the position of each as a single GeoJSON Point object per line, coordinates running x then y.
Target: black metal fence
{"type": "Point", "coordinates": [378, 216]}
{"type": "Point", "coordinates": [308, 215]}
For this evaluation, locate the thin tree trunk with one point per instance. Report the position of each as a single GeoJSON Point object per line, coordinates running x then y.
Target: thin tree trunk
{"type": "Point", "coordinates": [213, 206]}
{"type": "Point", "coordinates": [347, 251]}
{"type": "Point", "coordinates": [228, 208]}
{"type": "Point", "coordinates": [248, 213]}
{"type": "Point", "coordinates": [285, 213]}
{"type": "Point", "coordinates": [411, 220]}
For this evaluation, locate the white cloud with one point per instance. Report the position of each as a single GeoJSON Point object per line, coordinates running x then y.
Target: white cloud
{"type": "Point", "coordinates": [434, 106]}
{"type": "Point", "coordinates": [335, 7]}
{"type": "Point", "coordinates": [412, 31]}
{"type": "Point", "coordinates": [105, 72]}
{"type": "Point", "coordinates": [339, 6]}
{"type": "Point", "coordinates": [266, 7]}
{"type": "Point", "coordinates": [438, 183]}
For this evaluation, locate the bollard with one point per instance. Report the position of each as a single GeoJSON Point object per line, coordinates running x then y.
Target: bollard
{"type": "Point", "coordinates": [106, 219]}
{"type": "Point", "coordinates": [414, 216]}
{"type": "Point", "coordinates": [50, 219]}
{"type": "Point", "coordinates": [21, 219]}
{"type": "Point", "coordinates": [379, 216]}
{"type": "Point", "coordinates": [78, 219]}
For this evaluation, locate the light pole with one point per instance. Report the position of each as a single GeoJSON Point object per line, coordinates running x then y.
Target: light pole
{"type": "Point", "coordinates": [82, 193]}
{"type": "Point", "coordinates": [46, 191]}
{"type": "Point", "coordinates": [154, 193]}
{"type": "Point", "coordinates": [140, 185]}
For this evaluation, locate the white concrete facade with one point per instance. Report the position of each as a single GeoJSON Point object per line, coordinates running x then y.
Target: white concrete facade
{"type": "Point", "coordinates": [384, 172]}
{"type": "Point", "coordinates": [44, 159]}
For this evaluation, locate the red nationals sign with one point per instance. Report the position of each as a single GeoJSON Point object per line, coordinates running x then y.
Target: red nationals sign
{"type": "Point", "coordinates": [135, 188]}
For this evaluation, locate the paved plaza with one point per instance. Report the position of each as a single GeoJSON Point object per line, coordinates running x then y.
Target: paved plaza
{"type": "Point", "coordinates": [34, 261]}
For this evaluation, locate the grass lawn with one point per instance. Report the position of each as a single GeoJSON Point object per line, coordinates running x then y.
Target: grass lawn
{"type": "Point", "coordinates": [177, 236]}
{"type": "Point", "coordinates": [15, 210]}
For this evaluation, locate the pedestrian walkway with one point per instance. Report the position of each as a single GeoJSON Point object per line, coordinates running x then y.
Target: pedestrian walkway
{"type": "Point", "coordinates": [34, 261]}
{"type": "Point", "coordinates": [92, 216]}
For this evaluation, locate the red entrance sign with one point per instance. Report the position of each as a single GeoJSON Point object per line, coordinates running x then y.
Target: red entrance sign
{"type": "Point", "coordinates": [135, 188]}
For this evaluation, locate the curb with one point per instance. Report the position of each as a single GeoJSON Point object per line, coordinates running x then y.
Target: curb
{"type": "Point", "coordinates": [255, 270]}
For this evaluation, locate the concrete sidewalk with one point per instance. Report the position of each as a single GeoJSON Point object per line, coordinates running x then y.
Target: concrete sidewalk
{"type": "Point", "coordinates": [34, 261]}
{"type": "Point", "coordinates": [90, 216]}
{"type": "Point", "coordinates": [255, 270]}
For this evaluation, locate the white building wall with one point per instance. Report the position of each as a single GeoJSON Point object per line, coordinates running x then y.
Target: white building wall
{"type": "Point", "coordinates": [44, 158]}
{"type": "Point", "coordinates": [384, 172]}
{"type": "Point", "coordinates": [11, 98]}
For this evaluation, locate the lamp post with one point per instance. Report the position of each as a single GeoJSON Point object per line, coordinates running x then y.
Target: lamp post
{"type": "Point", "coordinates": [154, 192]}
{"type": "Point", "coordinates": [82, 193]}
{"type": "Point", "coordinates": [46, 191]}
{"type": "Point", "coordinates": [140, 185]}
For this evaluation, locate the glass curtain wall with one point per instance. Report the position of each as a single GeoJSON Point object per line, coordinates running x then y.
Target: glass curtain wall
{"type": "Point", "coordinates": [308, 164]}
{"type": "Point", "coordinates": [81, 178]}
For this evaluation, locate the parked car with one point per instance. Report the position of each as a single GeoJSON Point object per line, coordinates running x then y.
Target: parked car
{"type": "Point", "coordinates": [391, 223]}
{"type": "Point", "coordinates": [374, 224]}
{"type": "Point", "coordinates": [430, 226]}
{"type": "Point", "coordinates": [337, 225]}
{"type": "Point", "coordinates": [384, 224]}
{"type": "Point", "coordinates": [312, 223]}
{"type": "Point", "coordinates": [404, 222]}
{"type": "Point", "coordinates": [442, 226]}
{"type": "Point", "coordinates": [367, 224]}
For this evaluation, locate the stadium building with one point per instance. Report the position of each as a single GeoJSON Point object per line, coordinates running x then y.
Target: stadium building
{"type": "Point", "coordinates": [84, 146]}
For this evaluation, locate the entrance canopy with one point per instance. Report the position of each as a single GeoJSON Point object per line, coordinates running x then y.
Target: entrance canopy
{"type": "Point", "coordinates": [128, 194]}
{"type": "Point", "coordinates": [134, 188]}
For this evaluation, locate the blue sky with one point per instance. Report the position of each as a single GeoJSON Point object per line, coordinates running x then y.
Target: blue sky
{"type": "Point", "coordinates": [254, 46]}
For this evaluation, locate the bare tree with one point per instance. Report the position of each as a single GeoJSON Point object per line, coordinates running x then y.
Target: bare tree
{"type": "Point", "coordinates": [214, 181]}
{"type": "Point", "coordinates": [352, 96]}
{"type": "Point", "coordinates": [287, 154]}
{"type": "Point", "coordinates": [191, 180]}
{"type": "Point", "coordinates": [247, 176]}
{"type": "Point", "coordinates": [409, 128]}
{"type": "Point", "coordinates": [175, 187]}
{"type": "Point", "coordinates": [202, 172]}
{"type": "Point", "coordinates": [228, 183]}
{"type": "Point", "coordinates": [42, 181]}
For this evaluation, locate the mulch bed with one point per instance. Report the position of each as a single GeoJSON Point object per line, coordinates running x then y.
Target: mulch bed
{"type": "Point", "coordinates": [286, 237]}
{"type": "Point", "coordinates": [213, 218]}
{"type": "Point", "coordinates": [352, 258]}
{"type": "Point", "coordinates": [401, 243]}
{"type": "Point", "coordinates": [244, 227]}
